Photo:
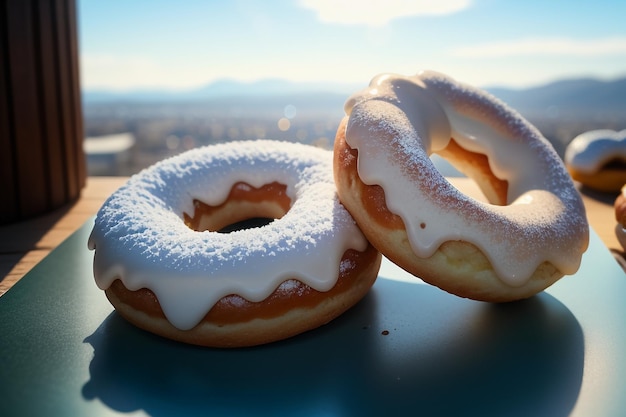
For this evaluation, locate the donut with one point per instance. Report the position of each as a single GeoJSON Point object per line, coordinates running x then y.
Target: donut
{"type": "Point", "coordinates": [597, 159]}
{"type": "Point", "coordinates": [531, 232]}
{"type": "Point", "coordinates": [620, 217]}
{"type": "Point", "coordinates": [167, 264]}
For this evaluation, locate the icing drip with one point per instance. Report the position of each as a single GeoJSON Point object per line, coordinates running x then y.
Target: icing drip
{"type": "Point", "coordinates": [590, 151]}
{"type": "Point", "coordinates": [398, 122]}
{"type": "Point", "coordinates": [140, 236]}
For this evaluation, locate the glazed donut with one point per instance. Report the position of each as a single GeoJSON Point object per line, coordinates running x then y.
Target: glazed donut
{"type": "Point", "coordinates": [620, 217]}
{"type": "Point", "coordinates": [166, 268]}
{"type": "Point", "coordinates": [597, 159]}
{"type": "Point", "coordinates": [533, 231]}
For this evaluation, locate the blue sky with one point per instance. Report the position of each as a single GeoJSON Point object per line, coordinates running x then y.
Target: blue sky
{"type": "Point", "coordinates": [145, 44]}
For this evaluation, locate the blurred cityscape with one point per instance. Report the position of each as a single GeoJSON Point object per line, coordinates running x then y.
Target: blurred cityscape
{"type": "Point", "coordinates": [125, 136]}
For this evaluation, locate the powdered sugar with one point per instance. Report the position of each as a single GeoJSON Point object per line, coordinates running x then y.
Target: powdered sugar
{"type": "Point", "coordinates": [346, 266]}
{"type": "Point", "coordinates": [140, 237]}
{"type": "Point", "coordinates": [399, 121]}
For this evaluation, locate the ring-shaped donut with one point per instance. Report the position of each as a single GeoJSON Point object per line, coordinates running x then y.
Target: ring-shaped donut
{"type": "Point", "coordinates": [597, 159]}
{"type": "Point", "coordinates": [532, 231]}
{"type": "Point", "coordinates": [246, 287]}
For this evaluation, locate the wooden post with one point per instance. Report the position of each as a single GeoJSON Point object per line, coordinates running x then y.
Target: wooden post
{"type": "Point", "coordinates": [42, 163]}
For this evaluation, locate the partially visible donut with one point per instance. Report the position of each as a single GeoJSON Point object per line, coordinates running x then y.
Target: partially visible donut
{"type": "Point", "coordinates": [533, 232]}
{"type": "Point", "coordinates": [620, 217]}
{"type": "Point", "coordinates": [597, 159]}
{"type": "Point", "coordinates": [167, 269]}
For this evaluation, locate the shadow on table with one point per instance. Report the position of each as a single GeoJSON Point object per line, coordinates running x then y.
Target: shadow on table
{"type": "Point", "coordinates": [609, 199]}
{"type": "Point", "coordinates": [405, 348]}
{"type": "Point", "coordinates": [27, 234]}
{"type": "Point", "coordinates": [604, 197]}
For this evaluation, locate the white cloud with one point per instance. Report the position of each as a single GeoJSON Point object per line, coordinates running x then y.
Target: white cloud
{"type": "Point", "coordinates": [546, 46]}
{"type": "Point", "coordinates": [379, 12]}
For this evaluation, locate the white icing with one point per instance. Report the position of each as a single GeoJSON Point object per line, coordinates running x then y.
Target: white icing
{"type": "Point", "coordinates": [140, 237]}
{"type": "Point", "coordinates": [399, 121]}
{"type": "Point", "coordinates": [590, 151]}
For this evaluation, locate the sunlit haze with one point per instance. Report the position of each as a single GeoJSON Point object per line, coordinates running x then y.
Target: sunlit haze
{"type": "Point", "coordinates": [144, 44]}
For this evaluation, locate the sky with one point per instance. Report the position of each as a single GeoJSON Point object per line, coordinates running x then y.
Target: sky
{"type": "Point", "coordinates": [167, 45]}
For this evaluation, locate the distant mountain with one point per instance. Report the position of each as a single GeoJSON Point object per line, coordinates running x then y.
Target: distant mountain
{"type": "Point", "coordinates": [223, 89]}
{"type": "Point", "coordinates": [564, 98]}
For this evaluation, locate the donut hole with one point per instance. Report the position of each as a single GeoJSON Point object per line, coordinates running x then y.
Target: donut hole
{"type": "Point", "coordinates": [476, 166]}
{"type": "Point", "coordinates": [246, 207]}
{"type": "Point", "coordinates": [246, 224]}
{"type": "Point", "coordinates": [616, 164]}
